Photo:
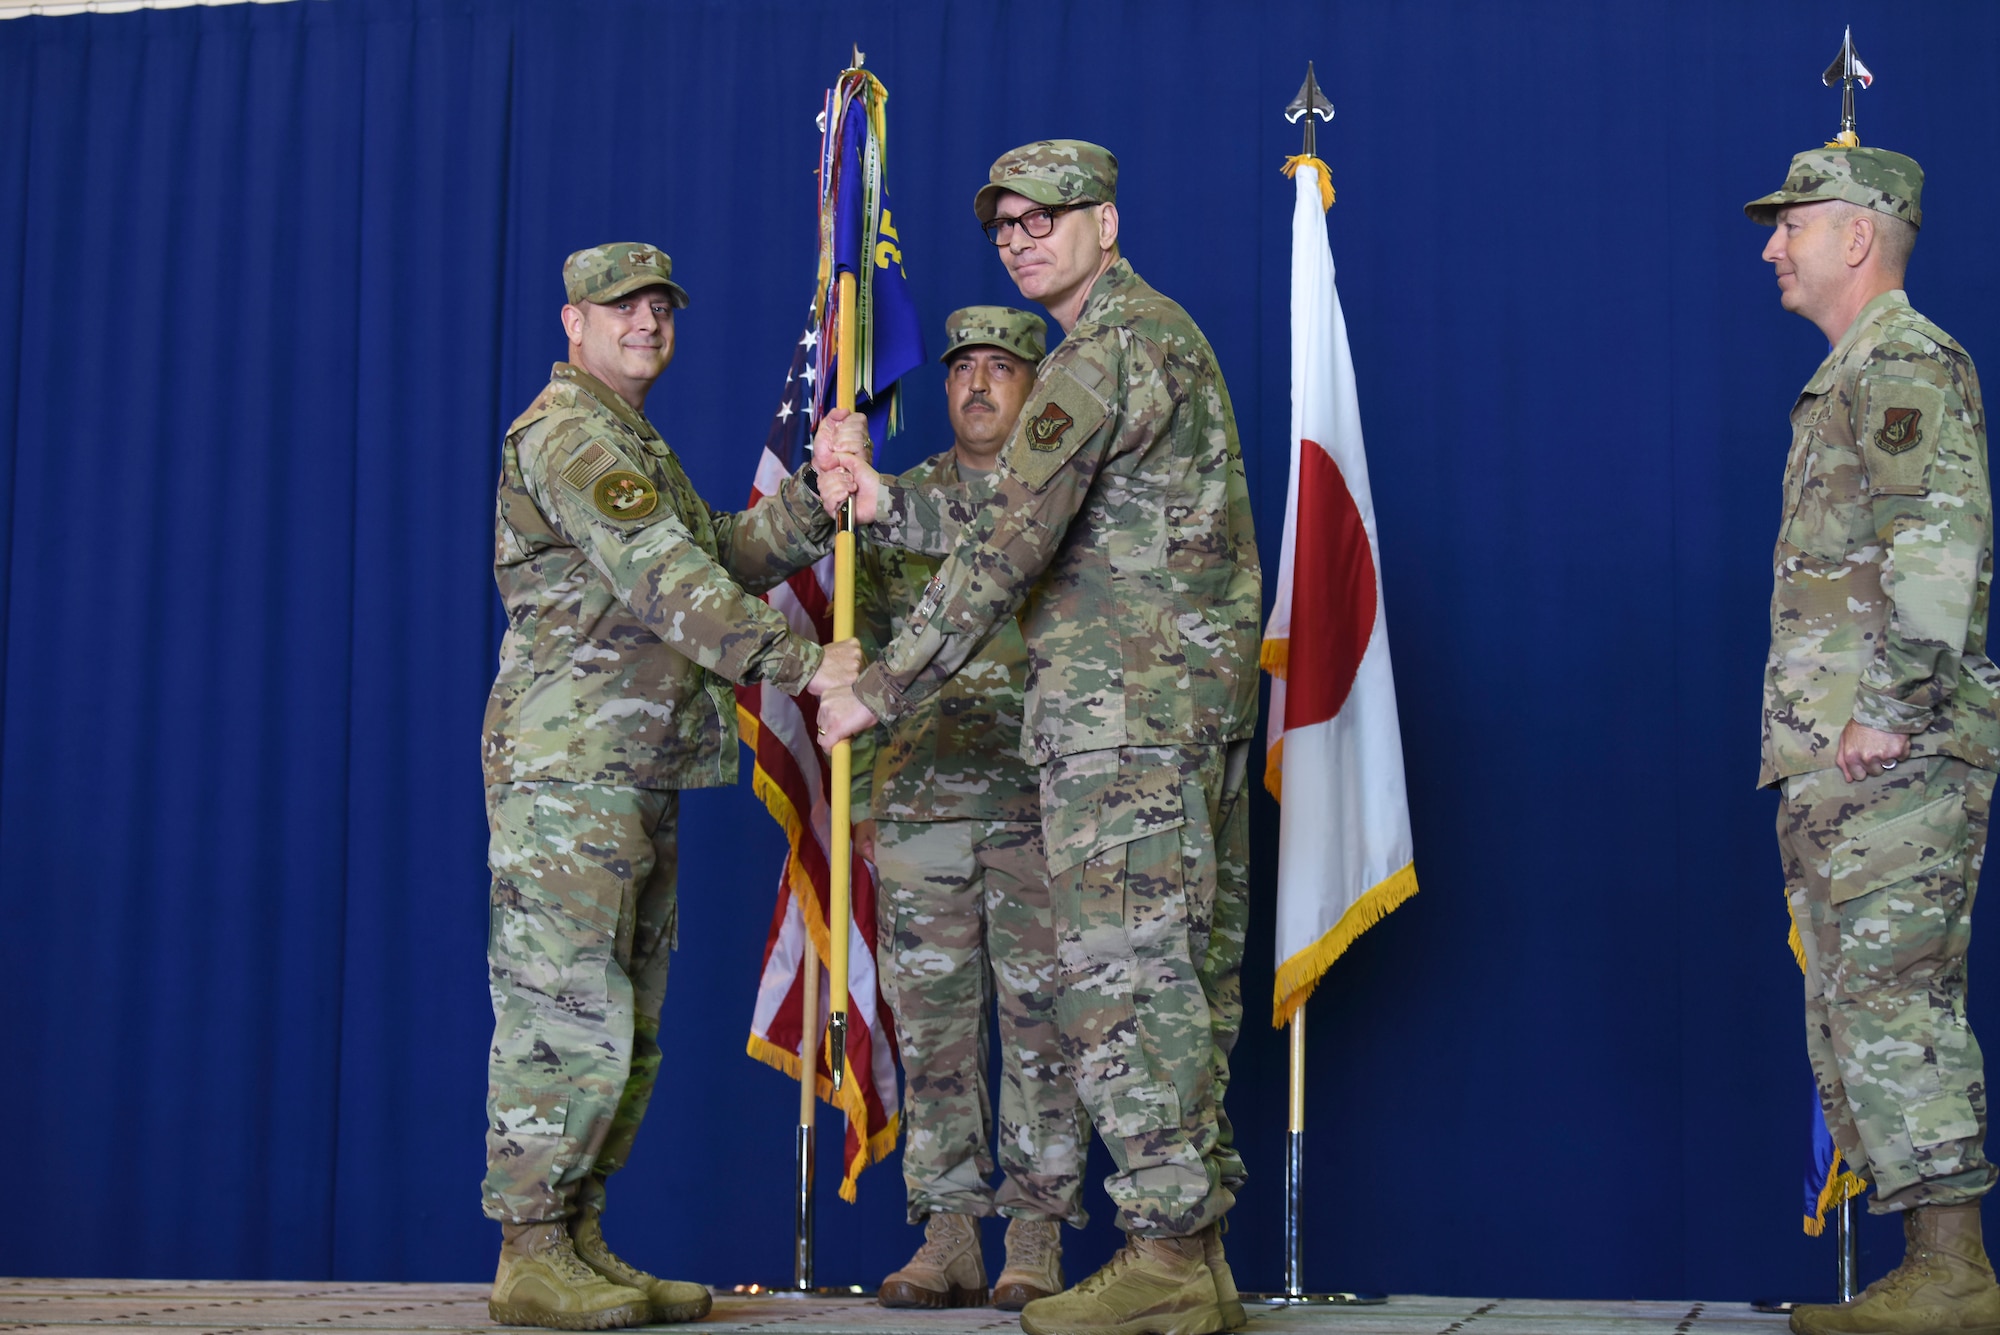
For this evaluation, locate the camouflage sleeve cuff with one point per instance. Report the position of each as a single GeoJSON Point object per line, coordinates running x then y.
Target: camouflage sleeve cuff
{"type": "Point", "coordinates": [874, 689]}
{"type": "Point", "coordinates": [1885, 713]}
{"type": "Point", "coordinates": [801, 660]}
{"type": "Point", "coordinates": [798, 495]}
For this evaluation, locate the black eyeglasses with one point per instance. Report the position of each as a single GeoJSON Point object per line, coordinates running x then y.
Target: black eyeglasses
{"type": "Point", "coordinates": [1037, 223]}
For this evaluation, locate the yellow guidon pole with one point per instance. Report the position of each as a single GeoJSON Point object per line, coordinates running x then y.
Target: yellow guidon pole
{"type": "Point", "coordinates": [841, 910]}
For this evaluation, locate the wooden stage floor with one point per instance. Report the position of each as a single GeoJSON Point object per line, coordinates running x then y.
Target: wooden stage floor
{"type": "Point", "coordinates": [181, 1307]}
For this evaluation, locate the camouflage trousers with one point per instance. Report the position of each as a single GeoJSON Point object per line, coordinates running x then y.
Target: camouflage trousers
{"type": "Point", "coordinates": [1881, 875]}
{"type": "Point", "coordinates": [1149, 853]}
{"type": "Point", "coordinates": [965, 921]}
{"type": "Point", "coordinates": [582, 924]}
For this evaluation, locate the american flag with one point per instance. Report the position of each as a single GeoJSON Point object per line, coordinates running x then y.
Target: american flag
{"type": "Point", "coordinates": [792, 776]}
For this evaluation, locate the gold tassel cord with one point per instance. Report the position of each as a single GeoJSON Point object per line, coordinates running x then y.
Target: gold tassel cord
{"type": "Point", "coordinates": [1292, 165]}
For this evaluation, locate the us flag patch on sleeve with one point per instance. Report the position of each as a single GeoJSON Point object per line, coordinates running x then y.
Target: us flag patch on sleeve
{"type": "Point", "coordinates": [589, 464]}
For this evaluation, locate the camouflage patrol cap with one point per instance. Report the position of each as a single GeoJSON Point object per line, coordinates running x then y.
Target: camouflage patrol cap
{"type": "Point", "coordinates": [1000, 327]}
{"type": "Point", "coordinates": [1050, 171]}
{"type": "Point", "coordinates": [1874, 178]}
{"type": "Point", "coordinates": [605, 273]}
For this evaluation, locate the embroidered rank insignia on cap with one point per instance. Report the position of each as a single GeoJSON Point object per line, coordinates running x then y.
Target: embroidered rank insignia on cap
{"type": "Point", "coordinates": [588, 465]}
{"type": "Point", "coordinates": [625, 495]}
{"type": "Point", "coordinates": [1900, 430]}
{"type": "Point", "coordinates": [1046, 428]}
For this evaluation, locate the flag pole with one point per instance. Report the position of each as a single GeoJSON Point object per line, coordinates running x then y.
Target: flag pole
{"type": "Point", "coordinates": [1294, 1293]}
{"type": "Point", "coordinates": [841, 798]}
{"type": "Point", "coordinates": [1295, 1133]}
{"type": "Point", "coordinates": [1846, 1258]}
{"type": "Point", "coordinates": [802, 1224]}
{"type": "Point", "coordinates": [1311, 106]}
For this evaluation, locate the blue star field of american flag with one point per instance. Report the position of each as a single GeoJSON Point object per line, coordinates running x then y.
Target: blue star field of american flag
{"type": "Point", "coordinates": [792, 424]}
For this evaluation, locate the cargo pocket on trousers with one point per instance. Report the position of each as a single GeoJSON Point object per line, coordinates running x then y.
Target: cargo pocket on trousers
{"type": "Point", "coordinates": [1939, 1118]}
{"type": "Point", "coordinates": [1119, 808]}
{"type": "Point", "coordinates": [1898, 849]}
{"type": "Point", "coordinates": [1103, 976]}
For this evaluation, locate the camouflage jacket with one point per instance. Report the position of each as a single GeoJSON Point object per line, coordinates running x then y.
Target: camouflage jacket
{"type": "Point", "coordinates": [631, 605]}
{"type": "Point", "coordinates": [1120, 517]}
{"type": "Point", "coordinates": [1885, 552]}
{"type": "Point", "coordinates": [957, 755]}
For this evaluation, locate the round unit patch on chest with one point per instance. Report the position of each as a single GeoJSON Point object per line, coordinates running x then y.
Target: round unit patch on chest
{"type": "Point", "coordinates": [625, 495]}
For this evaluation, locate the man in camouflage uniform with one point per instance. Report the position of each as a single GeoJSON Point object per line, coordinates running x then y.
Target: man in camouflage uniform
{"type": "Point", "coordinates": [1119, 526]}
{"type": "Point", "coordinates": [1879, 726]}
{"type": "Point", "coordinates": [630, 611]}
{"type": "Point", "coordinates": [957, 841]}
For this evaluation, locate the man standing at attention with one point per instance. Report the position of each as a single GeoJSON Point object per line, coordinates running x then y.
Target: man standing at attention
{"type": "Point", "coordinates": [957, 842]}
{"type": "Point", "coordinates": [1119, 526]}
{"type": "Point", "coordinates": [1880, 729]}
{"type": "Point", "coordinates": [630, 611]}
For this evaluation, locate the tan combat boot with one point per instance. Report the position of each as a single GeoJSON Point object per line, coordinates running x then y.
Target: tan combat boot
{"type": "Point", "coordinates": [1226, 1297]}
{"type": "Point", "coordinates": [1034, 1264]}
{"type": "Point", "coordinates": [542, 1283]}
{"type": "Point", "coordinates": [947, 1270]}
{"type": "Point", "coordinates": [1943, 1287]}
{"type": "Point", "coordinates": [1152, 1286]}
{"type": "Point", "coordinates": [670, 1300]}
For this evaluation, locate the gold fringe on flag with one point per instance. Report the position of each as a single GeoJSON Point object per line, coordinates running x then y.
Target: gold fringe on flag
{"type": "Point", "coordinates": [850, 1100]}
{"type": "Point", "coordinates": [878, 1145]}
{"type": "Point", "coordinates": [1276, 657]}
{"type": "Point", "coordinates": [1841, 1185]}
{"type": "Point", "coordinates": [1299, 975]}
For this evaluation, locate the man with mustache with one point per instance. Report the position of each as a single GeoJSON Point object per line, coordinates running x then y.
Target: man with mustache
{"type": "Point", "coordinates": [1880, 727]}
{"type": "Point", "coordinates": [1119, 527]}
{"type": "Point", "coordinates": [631, 609]}
{"type": "Point", "coordinates": [956, 838]}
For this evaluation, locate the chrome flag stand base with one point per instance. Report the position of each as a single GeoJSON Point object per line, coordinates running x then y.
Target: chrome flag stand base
{"type": "Point", "coordinates": [1846, 1263]}
{"type": "Point", "coordinates": [1294, 1294]}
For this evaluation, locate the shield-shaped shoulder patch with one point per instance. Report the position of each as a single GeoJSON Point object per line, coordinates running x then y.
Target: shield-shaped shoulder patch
{"type": "Point", "coordinates": [1902, 429]}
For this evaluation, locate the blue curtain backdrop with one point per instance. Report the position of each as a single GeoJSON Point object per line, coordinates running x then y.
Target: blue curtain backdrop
{"type": "Point", "coordinates": [274, 279]}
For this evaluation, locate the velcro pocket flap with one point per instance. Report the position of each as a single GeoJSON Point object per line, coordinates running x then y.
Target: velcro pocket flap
{"type": "Point", "coordinates": [1897, 849]}
{"type": "Point", "coordinates": [1061, 415]}
{"type": "Point", "coordinates": [1939, 1118]}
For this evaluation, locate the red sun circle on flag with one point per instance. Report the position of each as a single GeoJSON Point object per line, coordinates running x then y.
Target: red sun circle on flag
{"type": "Point", "coordinates": [1333, 593]}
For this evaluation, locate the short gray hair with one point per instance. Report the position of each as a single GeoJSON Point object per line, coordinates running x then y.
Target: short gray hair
{"type": "Point", "coordinates": [1895, 238]}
